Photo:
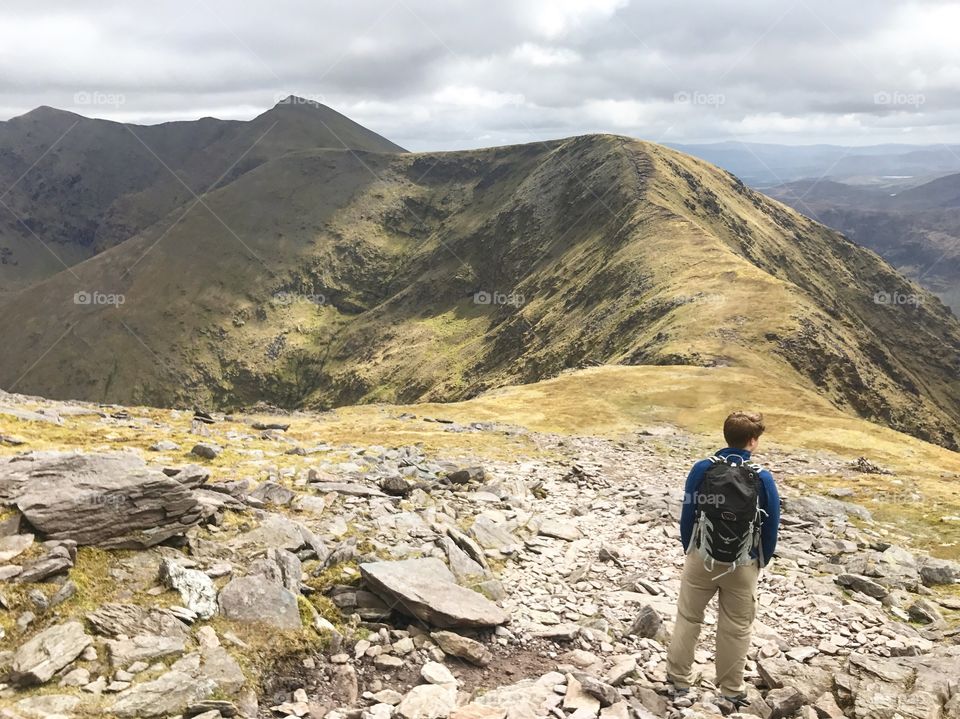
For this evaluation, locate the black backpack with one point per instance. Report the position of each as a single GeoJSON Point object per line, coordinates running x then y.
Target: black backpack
{"type": "Point", "coordinates": [727, 513]}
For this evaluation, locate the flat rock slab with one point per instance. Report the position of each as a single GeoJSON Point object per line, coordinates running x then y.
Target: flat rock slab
{"type": "Point", "coordinates": [348, 488]}
{"type": "Point", "coordinates": [427, 590]}
{"type": "Point", "coordinates": [257, 599]}
{"type": "Point", "coordinates": [48, 652]}
{"type": "Point", "coordinates": [108, 500]}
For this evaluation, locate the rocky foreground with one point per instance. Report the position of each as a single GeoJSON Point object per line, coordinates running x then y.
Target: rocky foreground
{"type": "Point", "coordinates": [257, 571]}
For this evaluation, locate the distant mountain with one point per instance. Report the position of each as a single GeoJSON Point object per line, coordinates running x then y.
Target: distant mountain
{"type": "Point", "coordinates": [766, 165]}
{"type": "Point", "coordinates": [322, 277]}
{"type": "Point", "coordinates": [74, 186]}
{"type": "Point", "coordinates": [917, 229]}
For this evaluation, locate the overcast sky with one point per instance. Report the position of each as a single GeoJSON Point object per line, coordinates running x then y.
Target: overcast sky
{"type": "Point", "coordinates": [444, 74]}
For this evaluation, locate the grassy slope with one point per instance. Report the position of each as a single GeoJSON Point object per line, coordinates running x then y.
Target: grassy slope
{"type": "Point", "coordinates": [623, 251]}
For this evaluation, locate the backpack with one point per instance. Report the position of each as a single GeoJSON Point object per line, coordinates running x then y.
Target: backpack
{"type": "Point", "coordinates": [728, 514]}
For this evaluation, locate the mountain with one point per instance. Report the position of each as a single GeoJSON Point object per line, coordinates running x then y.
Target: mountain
{"type": "Point", "coordinates": [764, 165]}
{"type": "Point", "coordinates": [325, 277]}
{"type": "Point", "coordinates": [73, 186]}
{"type": "Point", "coordinates": [916, 227]}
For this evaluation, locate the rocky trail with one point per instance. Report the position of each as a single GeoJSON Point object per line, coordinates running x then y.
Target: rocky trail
{"type": "Point", "coordinates": [260, 571]}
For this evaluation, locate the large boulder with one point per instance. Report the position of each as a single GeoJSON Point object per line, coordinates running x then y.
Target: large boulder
{"type": "Point", "coordinates": [257, 599]}
{"type": "Point", "coordinates": [109, 500]}
{"type": "Point", "coordinates": [908, 687]}
{"type": "Point", "coordinates": [427, 590]}
{"type": "Point", "coordinates": [48, 652]}
{"type": "Point", "coordinates": [112, 620]}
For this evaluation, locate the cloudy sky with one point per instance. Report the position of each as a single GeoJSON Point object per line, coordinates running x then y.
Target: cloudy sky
{"type": "Point", "coordinates": [444, 74]}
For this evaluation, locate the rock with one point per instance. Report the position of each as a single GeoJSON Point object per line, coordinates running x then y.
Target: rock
{"type": "Point", "coordinates": [491, 535]}
{"type": "Point", "coordinates": [925, 612]}
{"type": "Point", "coordinates": [109, 500]}
{"type": "Point", "coordinates": [387, 662]}
{"type": "Point", "coordinates": [647, 624]}
{"type": "Point", "coordinates": [13, 545]}
{"type": "Point", "coordinates": [864, 585]}
{"type": "Point", "coordinates": [36, 661]}
{"type": "Point", "coordinates": [47, 706]}
{"type": "Point", "coordinates": [827, 708]}
{"type": "Point", "coordinates": [396, 486]}
{"type": "Point", "coordinates": [144, 647]}
{"type": "Point", "coordinates": [622, 669]}
{"type": "Point", "coordinates": [783, 702]}
{"type": "Point", "coordinates": [606, 694]}
{"type": "Point", "coordinates": [41, 569]}
{"type": "Point", "coordinates": [256, 599]}
{"type": "Point", "coordinates": [75, 678]}
{"type": "Point", "coordinates": [810, 680]}
{"type": "Point", "coordinates": [939, 571]}
{"type": "Point", "coordinates": [169, 694]}
{"type": "Point", "coordinates": [428, 701]}
{"type": "Point", "coordinates": [164, 445]}
{"type": "Point", "coordinates": [525, 699]}
{"type": "Point", "coordinates": [559, 529]}
{"type": "Point", "coordinates": [462, 647]}
{"type": "Point", "coordinates": [344, 684]}
{"type": "Point", "coordinates": [478, 711]}
{"type": "Point", "coordinates": [206, 450]}
{"type": "Point", "coordinates": [802, 654]}
{"type": "Point", "coordinates": [291, 569]}
{"type": "Point", "coordinates": [273, 493]}
{"type": "Point", "coordinates": [467, 474]}
{"type": "Point", "coordinates": [131, 619]}
{"type": "Point", "coordinates": [436, 673]}
{"type": "Point", "coordinates": [620, 710]}
{"type": "Point", "coordinates": [425, 589]}
{"type": "Point", "coordinates": [196, 589]}
{"type": "Point", "coordinates": [576, 698]}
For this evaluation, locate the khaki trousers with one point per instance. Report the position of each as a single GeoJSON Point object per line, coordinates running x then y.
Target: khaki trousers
{"type": "Point", "coordinates": [737, 608]}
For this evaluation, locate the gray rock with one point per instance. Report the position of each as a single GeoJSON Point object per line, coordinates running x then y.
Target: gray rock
{"type": "Point", "coordinates": [810, 681]}
{"type": "Point", "coordinates": [925, 612]}
{"type": "Point", "coordinates": [427, 590]}
{"type": "Point", "coordinates": [12, 546]}
{"type": "Point", "coordinates": [647, 624]}
{"type": "Point", "coordinates": [467, 474]}
{"type": "Point", "coordinates": [169, 694]}
{"type": "Point", "coordinates": [939, 571]}
{"type": "Point", "coordinates": [291, 569]}
{"type": "Point", "coordinates": [273, 493]}
{"type": "Point", "coordinates": [606, 694]}
{"type": "Point", "coordinates": [36, 661]}
{"type": "Point", "coordinates": [112, 620]}
{"type": "Point", "coordinates": [455, 645]}
{"type": "Point", "coordinates": [196, 588]}
{"type": "Point", "coordinates": [864, 585]}
{"type": "Point", "coordinates": [47, 706]}
{"type": "Point", "coordinates": [257, 599]}
{"type": "Point", "coordinates": [783, 702]}
{"type": "Point", "coordinates": [428, 701]}
{"type": "Point", "coordinates": [143, 648]}
{"type": "Point", "coordinates": [559, 529]}
{"type": "Point", "coordinates": [41, 569]}
{"type": "Point", "coordinates": [109, 500]}
{"type": "Point", "coordinates": [164, 445]}
{"type": "Point", "coordinates": [207, 450]}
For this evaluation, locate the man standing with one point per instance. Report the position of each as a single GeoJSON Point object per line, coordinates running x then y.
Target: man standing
{"type": "Point", "coordinates": [728, 526]}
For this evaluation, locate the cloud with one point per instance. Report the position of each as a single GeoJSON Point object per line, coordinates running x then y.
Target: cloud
{"type": "Point", "coordinates": [467, 73]}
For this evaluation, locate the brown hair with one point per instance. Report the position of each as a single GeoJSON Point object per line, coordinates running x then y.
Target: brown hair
{"type": "Point", "coordinates": [740, 427]}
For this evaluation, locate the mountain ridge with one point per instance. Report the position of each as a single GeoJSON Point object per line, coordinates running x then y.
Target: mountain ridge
{"type": "Point", "coordinates": [622, 251]}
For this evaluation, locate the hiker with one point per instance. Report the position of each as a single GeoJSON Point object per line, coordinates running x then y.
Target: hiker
{"type": "Point", "coordinates": [728, 526]}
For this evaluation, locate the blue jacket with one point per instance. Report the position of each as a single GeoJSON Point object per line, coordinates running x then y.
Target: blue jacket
{"type": "Point", "coordinates": [769, 503]}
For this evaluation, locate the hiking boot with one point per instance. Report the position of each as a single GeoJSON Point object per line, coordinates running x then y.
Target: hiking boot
{"type": "Point", "coordinates": [738, 701]}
